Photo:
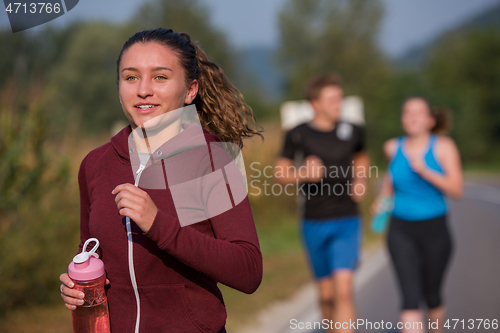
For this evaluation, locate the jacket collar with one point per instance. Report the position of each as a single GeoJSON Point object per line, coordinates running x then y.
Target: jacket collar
{"type": "Point", "coordinates": [192, 136]}
{"type": "Point", "coordinates": [120, 142]}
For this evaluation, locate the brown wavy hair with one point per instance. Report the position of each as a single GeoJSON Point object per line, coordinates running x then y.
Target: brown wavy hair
{"type": "Point", "coordinates": [221, 107]}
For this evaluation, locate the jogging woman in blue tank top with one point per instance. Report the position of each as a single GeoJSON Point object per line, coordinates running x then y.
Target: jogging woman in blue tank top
{"type": "Point", "coordinates": [423, 168]}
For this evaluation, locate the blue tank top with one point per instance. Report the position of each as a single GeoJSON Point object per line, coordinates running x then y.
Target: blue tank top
{"type": "Point", "coordinates": [414, 197]}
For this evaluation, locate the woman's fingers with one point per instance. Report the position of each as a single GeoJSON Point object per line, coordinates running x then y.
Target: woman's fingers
{"type": "Point", "coordinates": [70, 307]}
{"type": "Point", "coordinates": [72, 300]}
{"type": "Point", "coordinates": [125, 194]}
{"type": "Point", "coordinates": [65, 279]}
{"type": "Point", "coordinates": [70, 296]}
{"type": "Point", "coordinates": [129, 203]}
{"type": "Point", "coordinates": [128, 213]}
{"type": "Point", "coordinates": [136, 201]}
{"type": "Point", "coordinates": [127, 188]}
{"type": "Point", "coordinates": [376, 207]}
{"type": "Point", "coordinates": [136, 204]}
{"type": "Point", "coordinates": [71, 293]}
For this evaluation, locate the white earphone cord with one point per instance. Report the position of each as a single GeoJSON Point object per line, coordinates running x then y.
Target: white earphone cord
{"type": "Point", "coordinates": [131, 258]}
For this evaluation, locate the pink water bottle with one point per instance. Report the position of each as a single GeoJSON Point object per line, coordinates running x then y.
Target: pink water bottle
{"type": "Point", "coordinates": [87, 272]}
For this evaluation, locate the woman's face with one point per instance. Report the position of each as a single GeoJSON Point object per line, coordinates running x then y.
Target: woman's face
{"type": "Point", "coordinates": [152, 82]}
{"type": "Point", "coordinates": [416, 117]}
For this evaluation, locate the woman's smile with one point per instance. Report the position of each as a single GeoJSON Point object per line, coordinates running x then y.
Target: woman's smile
{"type": "Point", "coordinates": [146, 108]}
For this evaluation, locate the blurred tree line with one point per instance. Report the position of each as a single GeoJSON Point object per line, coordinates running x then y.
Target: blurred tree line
{"type": "Point", "coordinates": [38, 200]}
{"type": "Point", "coordinates": [60, 83]}
{"type": "Point", "coordinates": [462, 72]}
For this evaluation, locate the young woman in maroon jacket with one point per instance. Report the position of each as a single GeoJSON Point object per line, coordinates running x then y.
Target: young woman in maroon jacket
{"type": "Point", "coordinates": [169, 283]}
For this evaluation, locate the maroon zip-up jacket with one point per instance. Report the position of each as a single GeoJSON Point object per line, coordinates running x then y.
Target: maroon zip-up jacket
{"type": "Point", "coordinates": [177, 268]}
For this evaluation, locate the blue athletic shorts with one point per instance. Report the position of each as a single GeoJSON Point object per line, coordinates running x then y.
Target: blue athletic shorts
{"type": "Point", "coordinates": [332, 244]}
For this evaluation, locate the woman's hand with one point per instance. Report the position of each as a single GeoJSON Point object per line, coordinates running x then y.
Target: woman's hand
{"type": "Point", "coordinates": [418, 164]}
{"type": "Point", "coordinates": [135, 203]}
{"type": "Point", "coordinates": [71, 297]}
{"type": "Point", "coordinates": [376, 206]}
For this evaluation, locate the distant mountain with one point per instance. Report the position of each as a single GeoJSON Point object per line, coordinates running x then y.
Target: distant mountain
{"type": "Point", "coordinates": [417, 56]}
{"type": "Point", "coordinates": [259, 66]}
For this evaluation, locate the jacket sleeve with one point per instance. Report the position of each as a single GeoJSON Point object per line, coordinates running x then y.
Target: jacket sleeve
{"type": "Point", "coordinates": [233, 257]}
{"type": "Point", "coordinates": [84, 206]}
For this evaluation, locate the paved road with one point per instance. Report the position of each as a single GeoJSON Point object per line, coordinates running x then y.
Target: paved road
{"type": "Point", "coordinates": [471, 290]}
{"type": "Point", "coordinates": [472, 286]}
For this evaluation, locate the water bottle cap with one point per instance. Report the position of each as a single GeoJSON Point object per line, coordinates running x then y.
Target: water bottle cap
{"type": "Point", "coordinates": [86, 265]}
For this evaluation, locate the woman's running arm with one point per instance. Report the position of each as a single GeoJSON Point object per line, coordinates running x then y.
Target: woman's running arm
{"type": "Point", "coordinates": [387, 190]}
{"type": "Point", "coordinates": [232, 258]}
{"type": "Point", "coordinates": [451, 181]}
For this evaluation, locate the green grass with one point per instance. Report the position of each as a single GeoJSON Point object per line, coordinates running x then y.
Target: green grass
{"type": "Point", "coordinates": [38, 319]}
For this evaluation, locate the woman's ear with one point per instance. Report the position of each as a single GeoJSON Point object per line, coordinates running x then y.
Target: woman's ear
{"type": "Point", "coordinates": [192, 92]}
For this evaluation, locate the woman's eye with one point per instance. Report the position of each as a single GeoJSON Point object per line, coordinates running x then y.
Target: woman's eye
{"type": "Point", "coordinates": [130, 78]}
{"type": "Point", "coordinates": [161, 77]}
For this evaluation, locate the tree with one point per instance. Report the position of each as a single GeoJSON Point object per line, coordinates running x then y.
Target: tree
{"type": "Point", "coordinates": [464, 73]}
{"type": "Point", "coordinates": [324, 36]}
{"type": "Point", "coordinates": [192, 17]}
{"type": "Point", "coordinates": [85, 78]}
{"type": "Point", "coordinates": [320, 36]}
{"type": "Point", "coordinates": [38, 202]}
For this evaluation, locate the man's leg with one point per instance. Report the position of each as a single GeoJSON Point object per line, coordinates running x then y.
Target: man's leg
{"type": "Point", "coordinates": [345, 249]}
{"type": "Point", "coordinates": [317, 241]}
{"type": "Point", "coordinates": [343, 310]}
{"type": "Point", "coordinates": [326, 297]}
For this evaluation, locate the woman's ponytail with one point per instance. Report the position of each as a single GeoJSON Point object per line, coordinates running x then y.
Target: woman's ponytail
{"type": "Point", "coordinates": [221, 107]}
{"type": "Point", "coordinates": [442, 116]}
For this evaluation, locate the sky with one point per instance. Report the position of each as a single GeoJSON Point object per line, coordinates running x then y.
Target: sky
{"type": "Point", "coordinates": [250, 23]}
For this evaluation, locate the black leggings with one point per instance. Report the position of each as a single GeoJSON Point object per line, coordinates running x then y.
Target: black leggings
{"type": "Point", "coordinates": [420, 251]}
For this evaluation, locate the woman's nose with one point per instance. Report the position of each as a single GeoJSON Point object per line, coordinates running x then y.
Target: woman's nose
{"type": "Point", "coordinates": [144, 90]}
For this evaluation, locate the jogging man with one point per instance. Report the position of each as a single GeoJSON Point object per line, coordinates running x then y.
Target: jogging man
{"type": "Point", "coordinates": [333, 154]}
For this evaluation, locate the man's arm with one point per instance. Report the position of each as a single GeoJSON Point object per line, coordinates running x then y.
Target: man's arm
{"type": "Point", "coordinates": [361, 164]}
{"type": "Point", "coordinates": [312, 170]}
